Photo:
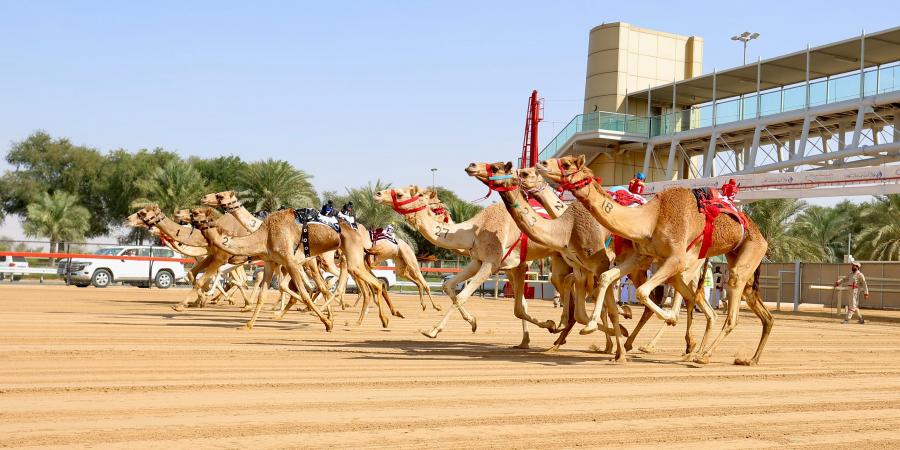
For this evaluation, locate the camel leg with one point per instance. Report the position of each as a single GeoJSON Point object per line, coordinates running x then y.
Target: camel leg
{"type": "Point", "coordinates": [613, 313]}
{"type": "Point", "coordinates": [562, 278]}
{"type": "Point", "coordinates": [520, 309]}
{"type": "Point", "coordinates": [266, 280]}
{"type": "Point", "coordinates": [645, 317]}
{"type": "Point", "coordinates": [294, 271]}
{"type": "Point", "coordinates": [476, 272]}
{"type": "Point", "coordinates": [693, 295]}
{"type": "Point", "coordinates": [739, 272]}
{"type": "Point", "coordinates": [567, 321]}
{"type": "Point", "coordinates": [197, 286]}
{"type": "Point", "coordinates": [756, 305]}
{"type": "Point", "coordinates": [668, 268]}
{"type": "Point", "coordinates": [607, 278]}
{"type": "Point", "coordinates": [387, 300]}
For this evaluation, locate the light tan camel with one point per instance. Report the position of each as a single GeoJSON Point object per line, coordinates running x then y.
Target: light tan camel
{"type": "Point", "coordinates": [406, 265]}
{"type": "Point", "coordinates": [151, 216]}
{"type": "Point", "coordinates": [279, 240]}
{"type": "Point", "coordinates": [492, 241]}
{"type": "Point", "coordinates": [663, 230]}
{"type": "Point", "coordinates": [535, 185]}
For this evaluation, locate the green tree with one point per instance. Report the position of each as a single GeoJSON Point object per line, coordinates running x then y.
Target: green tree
{"type": "Point", "coordinates": [222, 173]}
{"type": "Point", "coordinates": [58, 217]}
{"type": "Point", "coordinates": [880, 235]}
{"type": "Point", "coordinates": [826, 227]}
{"type": "Point", "coordinates": [174, 186]}
{"type": "Point", "coordinates": [46, 165]}
{"type": "Point", "coordinates": [777, 223]}
{"type": "Point", "coordinates": [272, 184]}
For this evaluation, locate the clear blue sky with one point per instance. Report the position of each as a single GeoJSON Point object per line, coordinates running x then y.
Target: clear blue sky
{"type": "Point", "coordinates": [348, 91]}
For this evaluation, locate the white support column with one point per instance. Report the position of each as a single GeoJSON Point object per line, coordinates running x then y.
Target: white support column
{"type": "Point", "coordinates": [754, 147]}
{"type": "Point", "coordinates": [647, 155]}
{"type": "Point", "coordinates": [792, 147]}
{"type": "Point", "coordinates": [842, 135]}
{"type": "Point", "coordinates": [710, 155]}
{"type": "Point", "coordinates": [858, 127]}
{"type": "Point", "coordinates": [804, 136]}
{"type": "Point", "coordinates": [673, 148]}
{"type": "Point", "coordinates": [896, 124]}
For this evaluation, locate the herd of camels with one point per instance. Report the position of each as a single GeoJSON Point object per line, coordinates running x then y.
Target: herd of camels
{"type": "Point", "coordinates": [505, 236]}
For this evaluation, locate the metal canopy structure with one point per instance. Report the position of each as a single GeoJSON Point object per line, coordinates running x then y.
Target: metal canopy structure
{"type": "Point", "coordinates": [824, 61]}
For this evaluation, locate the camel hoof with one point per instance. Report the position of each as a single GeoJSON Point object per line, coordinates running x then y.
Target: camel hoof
{"type": "Point", "coordinates": [620, 360]}
{"type": "Point", "coordinates": [522, 345]}
{"type": "Point", "coordinates": [246, 309]}
{"type": "Point", "coordinates": [433, 333]}
{"type": "Point", "coordinates": [626, 312]}
{"type": "Point", "coordinates": [647, 349]}
{"type": "Point", "coordinates": [689, 357]}
{"type": "Point", "coordinates": [671, 321]}
{"type": "Point", "coordinates": [424, 307]}
{"type": "Point", "coordinates": [594, 348]}
{"type": "Point", "coordinates": [436, 308]}
{"type": "Point", "coordinates": [329, 325]}
{"type": "Point", "coordinates": [474, 324]}
{"type": "Point", "coordinates": [398, 314]}
{"type": "Point", "coordinates": [589, 328]}
{"type": "Point", "coordinates": [702, 359]}
{"type": "Point", "coordinates": [553, 349]}
{"type": "Point", "coordinates": [744, 362]}
{"type": "Point", "coordinates": [179, 307]}
{"type": "Point", "coordinates": [550, 326]}
{"type": "Point", "coordinates": [628, 346]}
{"type": "Point", "coordinates": [623, 330]}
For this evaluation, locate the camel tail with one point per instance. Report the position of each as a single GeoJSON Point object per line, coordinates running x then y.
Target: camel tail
{"type": "Point", "coordinates": [756, 275]}
{"type": "Point", "coordinates": [702, 279]}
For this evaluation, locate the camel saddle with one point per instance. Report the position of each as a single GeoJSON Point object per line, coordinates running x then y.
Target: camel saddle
{"type": "Point", "coordinates": [711, 203]}
{"type": "Point", "coordinates": [379, 234]}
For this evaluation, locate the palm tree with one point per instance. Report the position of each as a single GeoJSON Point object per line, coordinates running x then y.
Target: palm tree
{"type": "Point", "coordinates": [58, 217]}
{"type": "Point", "coordinates": [880, 236]}
{"type": "Point", "coordinates": [173, 186]}
{"type": "Point", "coordinates": [271, 184]}
{"type": "Point", "coordinates": [776, 221]}
{"type": "Point", "coordinates": [826, 227]}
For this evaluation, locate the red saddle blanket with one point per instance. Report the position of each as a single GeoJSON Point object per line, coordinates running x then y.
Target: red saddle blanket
{"type": "Point", "coordinates": [626, 198]}
{"type": "Point", "coordinates": [711, 203]}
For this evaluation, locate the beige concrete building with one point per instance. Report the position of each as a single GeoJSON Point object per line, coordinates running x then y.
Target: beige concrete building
{"type": "Point", "coordinates": [624, 58]}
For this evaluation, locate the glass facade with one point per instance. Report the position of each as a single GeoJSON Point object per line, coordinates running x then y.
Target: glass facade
{"type": "Point", "coordinates": [772, 101]}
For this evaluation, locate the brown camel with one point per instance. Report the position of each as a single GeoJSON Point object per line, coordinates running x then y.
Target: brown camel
{"type": "Point", "coordinates": [663, 230]}
{"type": "Point", "coordinates": [575, 234]}
{"type": "Point", "coordinates": [492, 241]}
{"type": "Point", "coordinates": [280, 241]}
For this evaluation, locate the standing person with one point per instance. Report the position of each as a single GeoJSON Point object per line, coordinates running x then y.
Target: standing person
{"type": "Point", "coordinates": [855, 280]}
{"type": "Point", "coordinates": [625, 291]}
{"type": "Point", "coordinates": [719, 284]}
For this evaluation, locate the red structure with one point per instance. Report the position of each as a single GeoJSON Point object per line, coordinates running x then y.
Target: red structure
{"type": "Point", "coordinates": [530, 142]}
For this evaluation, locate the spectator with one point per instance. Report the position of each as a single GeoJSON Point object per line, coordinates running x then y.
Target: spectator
{"type": "Point", "coordinates": [719, 282]}
{"type": "Point", "coordinates": [855, 280]}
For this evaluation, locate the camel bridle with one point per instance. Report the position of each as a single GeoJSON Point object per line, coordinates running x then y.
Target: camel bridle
{"type": "Point", "coordinates": [232, 205]}
{"type": "Point", "coordinates": [491, 178]}
{"type": "Point", "coordinates": [572, 186]}
{"type": "Point", "coordinates": [155, 219]}
{"type": "Point", "coordinates": [399, 204]}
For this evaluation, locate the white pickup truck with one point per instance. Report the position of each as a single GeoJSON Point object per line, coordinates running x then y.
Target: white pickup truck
{"type": "Point", "coordinates": [13, 267]}
{"type": "Point", "coordinates": [101, 273]}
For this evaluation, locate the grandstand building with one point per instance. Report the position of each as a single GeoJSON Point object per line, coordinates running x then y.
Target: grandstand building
{"type": "Point", "coordinates": [822, 121]}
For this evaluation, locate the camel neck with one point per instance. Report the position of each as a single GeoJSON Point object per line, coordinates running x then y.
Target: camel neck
{"type": "Point", "coordinates": [548, 199]}
{"type": "Point", "coordinates": [186, 235]}
{"type": "Point", "coordinates": [246, 219]}
{"type": "Point", "coordinates": [186, 250]}
{"type": "Point", "coordinates": [634, 224]}
{"type": "Point", "coordinates": [452, 236]}
{"type": "Point", "coordinates": [544, 231]}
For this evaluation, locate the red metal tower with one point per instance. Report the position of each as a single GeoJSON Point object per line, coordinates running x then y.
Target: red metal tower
{"type": "Point", "coordinates": [530, 142]}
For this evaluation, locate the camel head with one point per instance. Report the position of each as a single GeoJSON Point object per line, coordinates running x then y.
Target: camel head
{"type": "Point", "coordinates": [225, 199]}
{"type": "Point", "coordinates": [531, 180]}
{"type": "Point", "coordinates": [182, 216]}
{"type": "Point", "coordinates": [436, 207]}
{"type": "Point", "coordinates": [147, 216]}
{"type": "Point", "coordinates": [406, 200]}
{"type": "Point", "coordinates": [569, 172]}
{"type": "Point", "coordinates": [498, 176]}
{"type": "Point", "coordinates": [202, 217]}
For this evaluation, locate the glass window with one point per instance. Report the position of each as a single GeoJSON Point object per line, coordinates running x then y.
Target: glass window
{"type": "Point", "coordinates": [143, 252]}
{"type": "Point", "coordinates": [109, 251]}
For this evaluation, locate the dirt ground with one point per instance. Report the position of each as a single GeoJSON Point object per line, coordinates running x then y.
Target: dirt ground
{"type": "Point", "coordinates": [118, 368]}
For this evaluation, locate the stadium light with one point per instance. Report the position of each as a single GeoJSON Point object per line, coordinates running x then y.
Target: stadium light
{"type": "Point", "coordinates": [745, 37]}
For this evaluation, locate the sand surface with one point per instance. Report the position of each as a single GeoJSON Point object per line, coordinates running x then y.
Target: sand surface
{"type": "Point", "coordinates": [118, 368]}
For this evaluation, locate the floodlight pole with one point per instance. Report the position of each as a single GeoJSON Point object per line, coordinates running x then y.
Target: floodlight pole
{"type": "Point", "coordinates": [433, 170]}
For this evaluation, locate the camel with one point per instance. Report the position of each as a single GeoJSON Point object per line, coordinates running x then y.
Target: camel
{"type": "Point", "coordinates": [152, 217]}
{"type": "Point", "coordinates": [663, 230]}
{"type": "Point", "coordinates": [492, 241]}
{"type": "Point", "coordinates": [281, 241]}
{"type": "Point", "coordinates": [575, 235]}
{"type": "Point", "coordinates": [535, 185]}
{"type": "Point", "coordinates": [406, 265]}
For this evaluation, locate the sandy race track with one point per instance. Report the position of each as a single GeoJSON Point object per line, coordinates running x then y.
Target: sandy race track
{"type": "Point", "coordinates": [118, 368]}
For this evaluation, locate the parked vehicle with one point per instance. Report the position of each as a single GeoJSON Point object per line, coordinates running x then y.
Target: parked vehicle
{"type": "Point", "coordinates": [101, 273]}
{"type": "Point", "coordinates": [387, 277]}
{"type": "Point", "coordinates": [12, 262]}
